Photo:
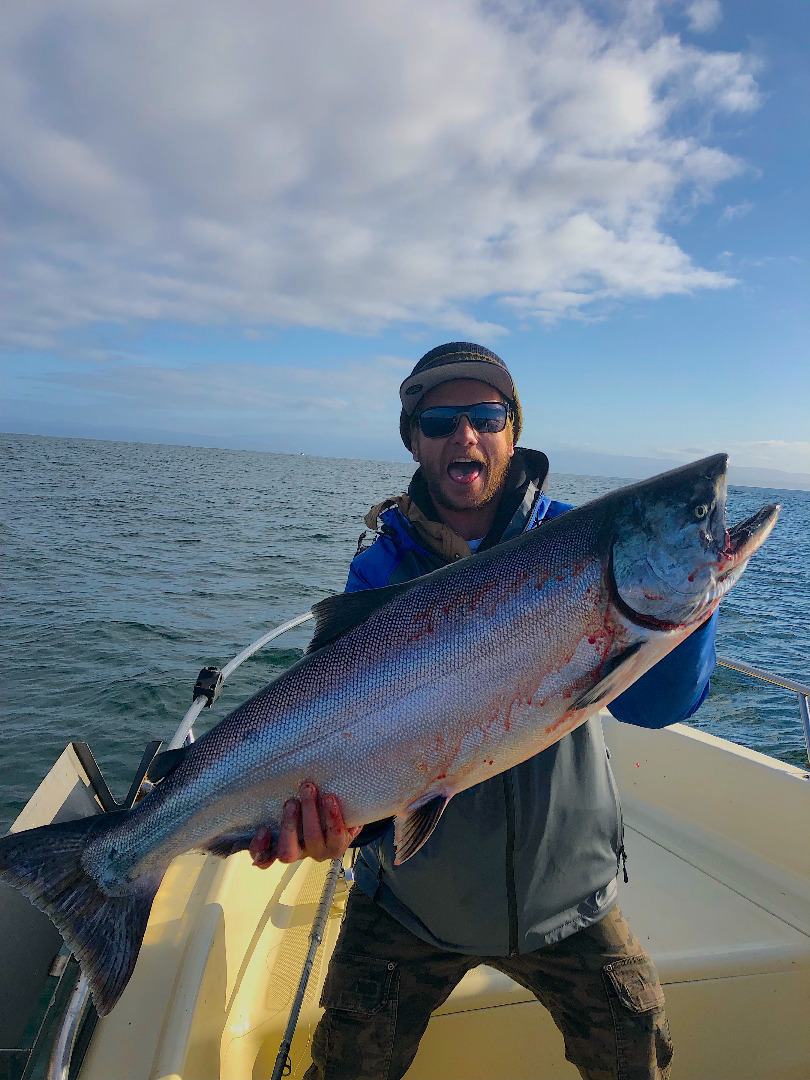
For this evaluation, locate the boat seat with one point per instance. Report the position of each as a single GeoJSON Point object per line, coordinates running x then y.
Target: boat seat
{"type": "Point", "coordinates": [732, 935]}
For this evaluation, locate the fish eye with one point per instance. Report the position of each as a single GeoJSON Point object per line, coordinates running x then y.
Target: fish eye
{"type": "Point", "coordinates": [701, 510]}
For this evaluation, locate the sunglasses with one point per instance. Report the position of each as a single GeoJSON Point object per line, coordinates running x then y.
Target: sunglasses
{"type": "Point", "coordinates": [487, 417]}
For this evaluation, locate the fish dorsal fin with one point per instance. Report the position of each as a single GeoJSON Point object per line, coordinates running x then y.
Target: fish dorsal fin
{"type": "Point", "coordinates": [414, 827]}
{"type": "Point", "coordinates": [336, 615]}
{"type": "Point", "coordinates": [165, 763]}
{"type": "Point", "coordinates": [611, 684]}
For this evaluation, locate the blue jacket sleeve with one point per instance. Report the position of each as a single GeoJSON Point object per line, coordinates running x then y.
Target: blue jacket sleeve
{"type": "Point", "coordinates": [675, 687]}
{"type": "Point", "coordinates": [357, 581]}
{"type": "Point", "coordinates": [372, 568]}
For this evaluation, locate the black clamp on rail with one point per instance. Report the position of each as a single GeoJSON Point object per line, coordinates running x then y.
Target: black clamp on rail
{"type": "Point", "coordinates": [209, 685]}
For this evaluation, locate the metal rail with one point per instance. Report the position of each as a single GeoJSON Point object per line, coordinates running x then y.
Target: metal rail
{"type": "Point", "coordinates": [801, 690]}
{"type": "Point", "coordinates": [59, 1061]}
{"type": "Point", "coordinates": [201, 701]}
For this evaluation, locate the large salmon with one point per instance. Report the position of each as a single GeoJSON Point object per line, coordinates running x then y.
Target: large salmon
{"type": "Point", "coordinates": [408, 695]}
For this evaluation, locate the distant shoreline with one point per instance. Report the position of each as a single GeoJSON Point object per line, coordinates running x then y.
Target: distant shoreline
{"type": "Point", "coordinates": [563, 462]}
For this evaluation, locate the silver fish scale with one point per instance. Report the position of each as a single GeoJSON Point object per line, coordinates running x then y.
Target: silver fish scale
{"type": "Point", "coordinates": [437, 690]}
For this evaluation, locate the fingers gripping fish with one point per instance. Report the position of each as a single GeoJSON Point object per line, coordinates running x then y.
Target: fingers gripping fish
{"type": "Point", "coordinates": [407, 696]}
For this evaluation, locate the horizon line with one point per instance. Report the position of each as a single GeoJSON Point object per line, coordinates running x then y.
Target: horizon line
{"type": "Point", "coordinates": [672, 462]}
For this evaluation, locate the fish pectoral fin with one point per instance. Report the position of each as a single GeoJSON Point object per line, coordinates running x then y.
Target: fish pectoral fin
{"type": "Point", "coordinates": [413, 828]}
{"type": "Point", "coordinates": [610, 684]}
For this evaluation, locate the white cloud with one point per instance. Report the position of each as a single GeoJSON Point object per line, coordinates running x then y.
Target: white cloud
{"type": "Point", "coordinates": [342, 395]}
{"type": "Point", "coordinates": [704, 15]}
{"type": "Point", "coordinates": [736, 211]}
{"type": "Point", "coordinates": [347, 165]}
{"type": "Point", "coordinates": [762, 453]}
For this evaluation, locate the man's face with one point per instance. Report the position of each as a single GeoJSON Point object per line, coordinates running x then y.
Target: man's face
{"type": "Point", "coordinates": [465, 470]}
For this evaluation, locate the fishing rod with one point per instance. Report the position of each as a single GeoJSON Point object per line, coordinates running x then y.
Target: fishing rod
{"type": "Point", "coordinates": [283, 1065]}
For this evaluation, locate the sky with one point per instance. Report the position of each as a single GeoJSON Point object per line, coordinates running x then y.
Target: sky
{"type": "Point", "coordinates": [241, 224]}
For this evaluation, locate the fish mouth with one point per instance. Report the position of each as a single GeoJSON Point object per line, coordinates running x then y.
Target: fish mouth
{"type": "Point", "coordinates": [744, 538]}
{"type": "Point", "coordinates": [465, 470]}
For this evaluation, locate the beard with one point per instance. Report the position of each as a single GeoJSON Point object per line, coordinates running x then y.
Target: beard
{"type": "Point", "coordinates": [436, 480]}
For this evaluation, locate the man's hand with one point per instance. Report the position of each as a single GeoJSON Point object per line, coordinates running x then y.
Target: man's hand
{"type": "Point", "coordinates": [311, 825]}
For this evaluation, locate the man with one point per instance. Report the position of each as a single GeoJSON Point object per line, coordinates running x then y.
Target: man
{"type": "Point", "coordinates": [520, 872]}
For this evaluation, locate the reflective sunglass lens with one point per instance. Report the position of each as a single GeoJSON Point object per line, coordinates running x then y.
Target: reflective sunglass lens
{"type": "Point", "coordinates": [437, 427]}
{"type": "Point", "coordinates": [488, 417]}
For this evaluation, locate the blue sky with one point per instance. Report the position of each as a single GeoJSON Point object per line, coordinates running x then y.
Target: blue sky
{"type": "Point", "coordinates": [241, 224]}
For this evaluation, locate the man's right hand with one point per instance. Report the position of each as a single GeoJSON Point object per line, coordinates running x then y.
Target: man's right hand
{"type": "Point", "coordinates": [311, 826]}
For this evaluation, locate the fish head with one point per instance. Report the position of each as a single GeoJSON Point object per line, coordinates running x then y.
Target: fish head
{"type": "Point", "coordinates": [671, 557]}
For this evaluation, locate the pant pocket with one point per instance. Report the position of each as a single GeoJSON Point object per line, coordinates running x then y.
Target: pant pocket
{"type": "Point", "coordinates": [643, 1042]}
{"type": "Point", "coordinates": [358, 985]}
{"type": "Point", "coordinates": [356, 1035]}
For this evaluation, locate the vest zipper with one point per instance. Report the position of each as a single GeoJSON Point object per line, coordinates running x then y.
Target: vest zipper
{"type": "Point", "coordinates": [511, 894]}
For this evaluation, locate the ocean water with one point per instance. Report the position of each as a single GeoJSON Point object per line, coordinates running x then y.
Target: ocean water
{"type": "Point", "coordinates": [127, 567]}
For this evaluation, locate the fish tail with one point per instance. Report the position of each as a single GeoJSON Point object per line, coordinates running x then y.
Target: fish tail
{"type": "Point", "coordinates": [103, 932]}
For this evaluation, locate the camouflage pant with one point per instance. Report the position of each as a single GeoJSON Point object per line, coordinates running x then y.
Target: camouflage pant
{"type": "Point", "coordinates": [383, 983]}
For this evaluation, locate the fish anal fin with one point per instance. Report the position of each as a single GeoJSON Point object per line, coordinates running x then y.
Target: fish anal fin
{"type": "Point", "coordinates": [413, 828]}
{"type": "Point", "coordinates": [230, 843]}
{"type": "Point", "coordinates": [612, 682]}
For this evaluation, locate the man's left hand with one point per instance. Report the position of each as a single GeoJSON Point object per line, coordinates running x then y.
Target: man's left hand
{"type": "Point", "coordinates": [311, 826]}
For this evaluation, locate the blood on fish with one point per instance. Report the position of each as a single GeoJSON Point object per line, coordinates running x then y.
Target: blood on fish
{"type": "Point", "coordinates": [477, 597]}
{"type": "Point", "coordinates": [425, 617]}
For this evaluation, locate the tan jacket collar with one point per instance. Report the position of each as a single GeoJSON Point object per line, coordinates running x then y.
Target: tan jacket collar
{"type": "Point", "coordinates": [435, 535]}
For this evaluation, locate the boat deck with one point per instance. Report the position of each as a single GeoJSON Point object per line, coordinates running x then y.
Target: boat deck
{"type": "Point", "coordinates": [718, 895]}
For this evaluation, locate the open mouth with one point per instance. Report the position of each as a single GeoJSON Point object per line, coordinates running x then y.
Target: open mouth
{"type": "Point", "coordinates": [464, 471]}
{"type": "Point", "coordinates": [747, 536]}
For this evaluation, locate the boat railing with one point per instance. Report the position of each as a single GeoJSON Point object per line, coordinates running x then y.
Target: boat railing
{"type": "Point", "coordinates": [201, 701]}
{"type": "Point", "coordinates": [60, 1061]}
{"type": "Point", "coordinates": [801, 690]}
